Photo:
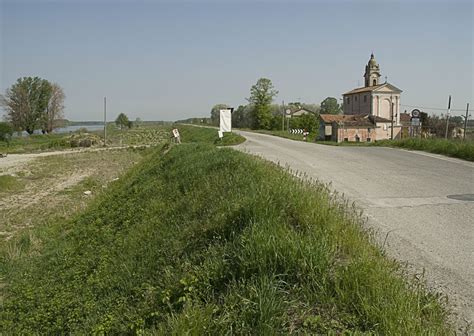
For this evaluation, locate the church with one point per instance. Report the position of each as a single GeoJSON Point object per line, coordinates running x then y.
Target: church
{"type": "Point", "coordinates": [381, 100]}
{"type": "Point", "coordinates": [370, 113]}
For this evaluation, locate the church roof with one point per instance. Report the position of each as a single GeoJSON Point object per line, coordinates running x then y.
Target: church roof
{"type": "Point", "coordinates": [374, 88]}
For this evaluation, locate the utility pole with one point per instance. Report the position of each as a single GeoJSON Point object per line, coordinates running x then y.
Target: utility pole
{"type": "Point", "coordinates": [105, 121]}
{"type": "Point", "coordinates": [391, 117]}
{"type": "Point", "coordinates": [465, 121]}
{"type": "Point", "coordinates": [447, 117]}
{"type": "Point", "coordinates": [283, 116]}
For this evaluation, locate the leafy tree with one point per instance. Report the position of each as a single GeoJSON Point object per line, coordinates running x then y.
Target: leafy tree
{"type": "Point", "coordinates": [330, 106]}
{"type": "Point", "coordinates": [215, 113]}
{"type": "Point", "coordinates": [138, 122]}
{"type": "Point", "coordinates": [6, 131]}
{"type": "Point", "coordinates": [122, 121]}
{"type": "Point", "coordinates": [436, 125]}
{"type": "Point", "coordinates": [306, 121]}
{"type": "Point", "coordinates": [261, 96]}
{"type": "Point", "coordinates": [26, 102]}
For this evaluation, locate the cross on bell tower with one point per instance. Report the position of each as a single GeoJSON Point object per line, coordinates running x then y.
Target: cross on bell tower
{"type": "Point", "coordinates": [372, 72]}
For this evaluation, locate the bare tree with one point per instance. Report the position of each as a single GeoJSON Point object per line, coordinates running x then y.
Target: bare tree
{"type": "Point", "coordinates": [54, 110]}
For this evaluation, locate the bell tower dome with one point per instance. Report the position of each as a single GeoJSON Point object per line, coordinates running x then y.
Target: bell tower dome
{"type": "Point", "coordinates": [372, 72]}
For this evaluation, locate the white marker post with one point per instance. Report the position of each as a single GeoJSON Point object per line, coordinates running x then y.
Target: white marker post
{"type": "Point", "coordinates": [225, 121]}
{"type": "Point", "coordinates": [176, 135]}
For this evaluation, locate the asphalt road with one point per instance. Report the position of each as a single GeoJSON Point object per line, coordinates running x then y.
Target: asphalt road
{"type": "Point", "coordinates": [408, 199]}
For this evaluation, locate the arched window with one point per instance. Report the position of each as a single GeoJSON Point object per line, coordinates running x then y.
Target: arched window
{"type": "Point", "coordinates": [375, 82]}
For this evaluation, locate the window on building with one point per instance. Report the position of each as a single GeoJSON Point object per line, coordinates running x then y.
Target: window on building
{"type": "Point", "coordinates": [355, 98]}
{"type": "Point", "coordinates": [346, 139]}
{"type": "Point", "coordinates": [348, 100]}
{"type": "Point", "coordinates": [375, 82]}
{"type": "Point", "coordinates": [365, 98]}
{"type": "Point", "coordinates": [357, 138]}
{"type": "Point", "coordinates": [368, 139]}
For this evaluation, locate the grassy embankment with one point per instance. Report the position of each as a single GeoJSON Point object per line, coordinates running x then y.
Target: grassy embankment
{"type": "Point", "coordinates": [207, 241]}
{"type": "Point", "coordinates": [455, 148]}
{"type": "Point", "coordinates": [192, 134]}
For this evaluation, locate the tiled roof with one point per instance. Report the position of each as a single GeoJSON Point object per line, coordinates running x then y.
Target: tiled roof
{"type": "Point", "coordinates": [329, 118]}
{"type": "Point", "coordinates": [353, 120]}
{"type": "Point", "coordinates": [378, 119]}
{"type": "Point", "coordinates": [358, 123]}
{"type": "Point", "coordinates": [405, 117]}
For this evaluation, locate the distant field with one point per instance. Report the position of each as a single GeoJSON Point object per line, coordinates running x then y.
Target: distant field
{"type": "Point", "coordinates": [145, 134]}
{"type": "Point", "coordinates": [198, 240]}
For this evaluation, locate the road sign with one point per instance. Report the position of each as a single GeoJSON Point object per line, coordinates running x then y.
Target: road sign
{"type": "Point", "coordinates": [296, 131]}
{"type": "Point", "coordinates": [415, 113]}
{"type": "Point", "coordinates": [288, 111]}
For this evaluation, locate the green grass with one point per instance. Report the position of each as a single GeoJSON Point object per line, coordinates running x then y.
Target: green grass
{"type": "Point", "coordinates": [210, 241]}
{"type": "Point", "coordinates": [37, 142]}
{"type": "Point", "coordinates": [455, 148]}
{"type": "Point", "coordinates": [192, 134]}
{"type": "Point", "coordinates": [9, 183]}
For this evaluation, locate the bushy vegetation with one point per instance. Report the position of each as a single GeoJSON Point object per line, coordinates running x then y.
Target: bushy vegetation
{"type": "Point", "coordinates": [209, 241]}
{"type": "Point", "coordinates": [455, 148]}
{"type": "Point", "coordinates": [6, 132]}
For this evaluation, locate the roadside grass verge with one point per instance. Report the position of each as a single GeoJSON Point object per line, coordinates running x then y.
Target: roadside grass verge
{"type": "Point", "coordinates": [455, 148]}
{"type": "Point", "coordinates": [210, 241]}
{"type": "Point", "coordinates": [192, 134]}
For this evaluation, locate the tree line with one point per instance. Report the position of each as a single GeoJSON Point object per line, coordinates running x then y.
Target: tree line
{"type": "Point", "coordinates": [33, 103]}
{"type": "Point", "coordinates": [260, 113]}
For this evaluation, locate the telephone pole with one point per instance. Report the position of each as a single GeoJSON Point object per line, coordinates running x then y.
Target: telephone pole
{"type": "Point", "coordinates": [283, 115]}
{"type": "Point", "coordinates": [391, 117]}
{"type": "Point", "coordinates": [105, 121]}
{"type": "Point", "coordinates": [447, 117]}
{"type": "Point", "coordinates": [465, 121]}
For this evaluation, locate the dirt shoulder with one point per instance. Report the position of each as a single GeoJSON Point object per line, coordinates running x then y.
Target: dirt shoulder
{"type": "Point", "coordinates": [52, 184]}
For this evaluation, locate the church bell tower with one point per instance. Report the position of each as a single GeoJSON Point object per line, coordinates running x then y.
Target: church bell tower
{"type": "Point", "coordinates": [372, 72]}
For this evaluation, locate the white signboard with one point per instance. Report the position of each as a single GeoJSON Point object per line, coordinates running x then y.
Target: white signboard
{"type": "Point", "coordinates": [225, 124]}
{"type": "Point", "coordinates": [415, 121]}
{"type": "Point", "coordinates": [221, 134]}
{"type": "Point", "coordinates": [175, 133]}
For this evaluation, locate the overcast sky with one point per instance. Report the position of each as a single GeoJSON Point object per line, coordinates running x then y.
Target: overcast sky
{"type": "Point", "coordinates": [169, 60]}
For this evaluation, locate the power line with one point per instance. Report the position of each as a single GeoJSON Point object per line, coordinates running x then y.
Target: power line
{"type": "Point", "coordinates": [431, 108]}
